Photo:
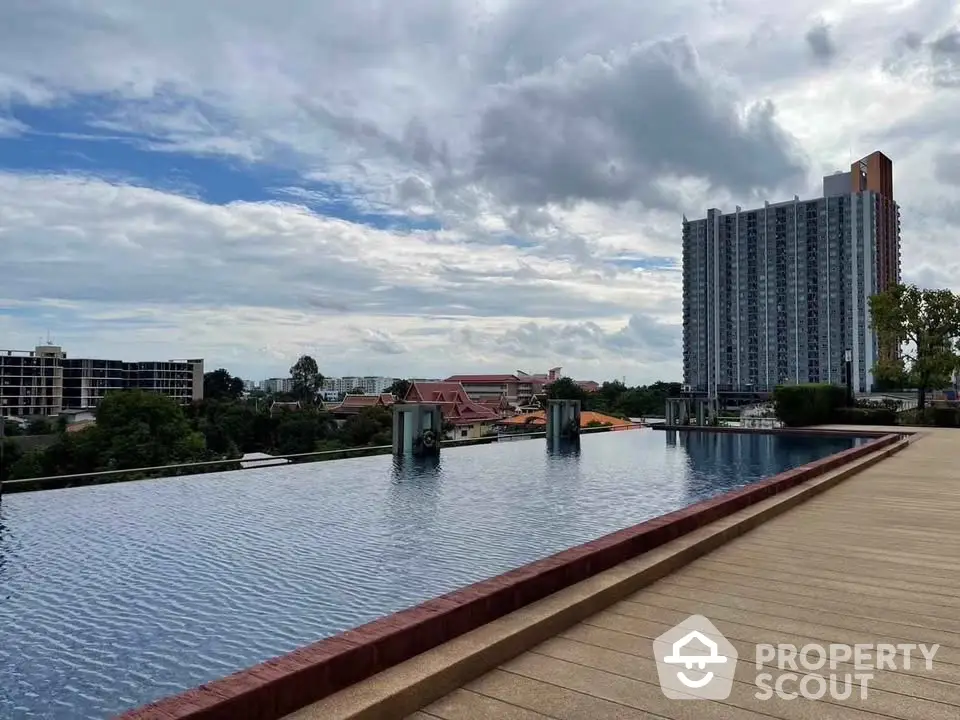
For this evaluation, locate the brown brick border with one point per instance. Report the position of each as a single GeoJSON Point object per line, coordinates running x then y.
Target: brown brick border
{"type": "Point", "coordinates": [278, 687]}
{"type": "Point", "coordinates": [853, 432]}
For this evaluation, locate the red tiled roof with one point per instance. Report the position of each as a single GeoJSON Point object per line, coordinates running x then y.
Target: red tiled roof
{"type": "Point", "coordinates": [359, 400]}
{"type": "Point", "coordinates": [353, 404]}
{"type": "Point", "coordinates": [481, 379]}
{"type": "Point", "coordinates": [454, 403]}
{"type": "Point", "coordinates": [500, 402]}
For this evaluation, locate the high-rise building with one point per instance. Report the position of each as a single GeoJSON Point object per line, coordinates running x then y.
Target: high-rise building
{"type": "Point", "coordinates": [778, 295]}
{"type": "Point", "coordinates": [44, 381]}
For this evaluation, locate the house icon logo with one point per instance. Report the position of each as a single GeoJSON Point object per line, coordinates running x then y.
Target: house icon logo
{"type": "Point", "coordinates": [694, 661]}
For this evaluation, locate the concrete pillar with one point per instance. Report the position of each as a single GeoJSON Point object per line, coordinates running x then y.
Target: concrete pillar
{"type": "Point", "coordinates": [417, 430]}
{"type": "Point", "coordinates": [563, 420]}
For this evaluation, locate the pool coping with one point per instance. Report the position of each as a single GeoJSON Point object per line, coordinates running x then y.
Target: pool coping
{"type": "Point", "coordinates": [283, 685]}
{"type": "Point", "coordinates": [853, 432]}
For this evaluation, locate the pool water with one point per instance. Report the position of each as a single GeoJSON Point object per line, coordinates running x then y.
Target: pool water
{"type": "Point", "coordinates": [116, 595]}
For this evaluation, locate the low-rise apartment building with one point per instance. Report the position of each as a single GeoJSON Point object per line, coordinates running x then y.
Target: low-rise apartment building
{"type": "Point", "coordinates": [45, 382]}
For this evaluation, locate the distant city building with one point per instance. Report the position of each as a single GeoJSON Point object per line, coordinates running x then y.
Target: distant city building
{"type": "Point", "coordinates": [517, 389]}
{"type": "Point", "coordinates": [514, 389]}
{"type": "Point", "coordinates": [250, 386]}
{"type": "Point", "coordinates": [779, 294]}
{"type": "Point", "coordinates": [45, 382]}
{"type": "Point", "coordinates": [368, 384]}
{"type": "Point", "coordinates": [278, 385]}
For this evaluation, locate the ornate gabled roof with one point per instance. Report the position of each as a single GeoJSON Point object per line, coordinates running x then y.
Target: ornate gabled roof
{"type": "Point", "coordinates": [352, 404]}
{"type": "Point", "coordinates": [454, 403]}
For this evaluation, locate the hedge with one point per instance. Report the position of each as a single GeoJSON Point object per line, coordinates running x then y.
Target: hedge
{"type": "Point", "coordinates": [944, 417]}
{"type": "Point", "coordinates": [864, 416]}
{"type": "Point", "coordinates": [809, 404]}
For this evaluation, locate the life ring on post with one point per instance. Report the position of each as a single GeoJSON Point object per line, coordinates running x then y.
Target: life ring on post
{"type": "Point", "coordinates": [428, 439]}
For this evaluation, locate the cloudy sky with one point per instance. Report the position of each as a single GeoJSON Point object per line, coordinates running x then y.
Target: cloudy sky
{"type": "Point", "coordinates": [435, 186]}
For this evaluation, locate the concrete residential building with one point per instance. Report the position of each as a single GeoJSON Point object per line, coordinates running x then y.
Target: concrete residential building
{"type": "Point", "coordinates": [369, 384]}
{"type": "Point", "coordinates": [31, 381]}
{"type": "Point", "coordinates": [277, 385]}
{"type": "Point", "coordinates": [777, 295]}
{"type": "Point", "coordinates": [46, 382]}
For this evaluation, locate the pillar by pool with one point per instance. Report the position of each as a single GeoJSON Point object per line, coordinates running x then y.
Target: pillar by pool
{"type": "Point", "coordinates": [417, 430]}
{"type": "Point", "coordinates": [563, 421]}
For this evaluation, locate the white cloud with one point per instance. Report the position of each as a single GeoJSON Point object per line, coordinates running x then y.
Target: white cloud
{"type": "Point", "coordinates": [551, 142]}
{"type": "Point", "coordinates": [122, 270]}
{"type": "Point", "coordinates": [11, 127]}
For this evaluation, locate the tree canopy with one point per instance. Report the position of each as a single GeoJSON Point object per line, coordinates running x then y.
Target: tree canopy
{"type": "Point", "coordinates": [221, 385]}
{"type": "Point", "coordinates": [306, 379]}
{"type": "Point", "coordinates": [924, 325]}
{"type": "Point", "coordinates": [565, 389]}
{"type": "Point", "coordinates": [400, 388]}
{"type": "Point", "coordinates": [615, 398]}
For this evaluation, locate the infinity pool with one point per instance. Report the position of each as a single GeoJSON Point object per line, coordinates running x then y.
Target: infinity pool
{"type": "Point", "coordinates": [115, 595]}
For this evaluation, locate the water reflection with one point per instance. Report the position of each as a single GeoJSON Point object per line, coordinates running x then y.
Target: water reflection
{"type": "Point", "coordinates": [564, 448]}
{"type": "Point", "coordinates": [415, 489]}
{"type": "Point", "coordinates": [745, 457]}
{"type": "Point", "coordinates": [407, 468]}
{"type": "Point", "coordinates": [3, 547]}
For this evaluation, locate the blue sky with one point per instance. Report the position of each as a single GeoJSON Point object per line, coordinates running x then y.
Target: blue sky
{"type": "Point", "coordinates": [67, 139]}
{"type": "Point", "coordinates": [434, 187]}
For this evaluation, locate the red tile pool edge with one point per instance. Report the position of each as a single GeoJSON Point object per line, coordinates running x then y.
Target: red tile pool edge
{"type": "Point", "coordinates": [278, 687]}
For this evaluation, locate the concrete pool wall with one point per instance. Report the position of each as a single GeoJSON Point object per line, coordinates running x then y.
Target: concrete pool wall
{"type": "Point", "coordinates": [278, 687]}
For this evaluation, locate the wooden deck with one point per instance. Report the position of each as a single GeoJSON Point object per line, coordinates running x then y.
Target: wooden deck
{"type": "Point", "coordinates": [875, 559]}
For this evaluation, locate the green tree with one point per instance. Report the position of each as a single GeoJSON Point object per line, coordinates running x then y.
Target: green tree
{"type": "Point", "coordinates": [10, 453]}
{"type": "Point", "coordinates": [221, 385]}
{"type": "Point", "coordinates": [39, 427]}
{"type": "Point", "coordinates": [400, 388]}
{"type": "Point", "coordinates": [371, 426]}
{"type": "Point", "coordinates": [300, 432]}
{"type": "Point", "coordinates": [566, 389]}
{"type": "Point", "coordinates": [357, 391]}
{"type": "Point", "coordinates": [924, 325]}
{"type": "Point", "coordinates": [610, 395]}
{"type": "Point", "coordinates": [136, 429]}
{"type": "Point", "coordinates": [307, 379]}
{"type": "Point", "coordinates": [27, 465]}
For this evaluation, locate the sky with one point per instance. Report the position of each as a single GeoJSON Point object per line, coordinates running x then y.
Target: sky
{"type": "Point", "coordinates": [431, 187]}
